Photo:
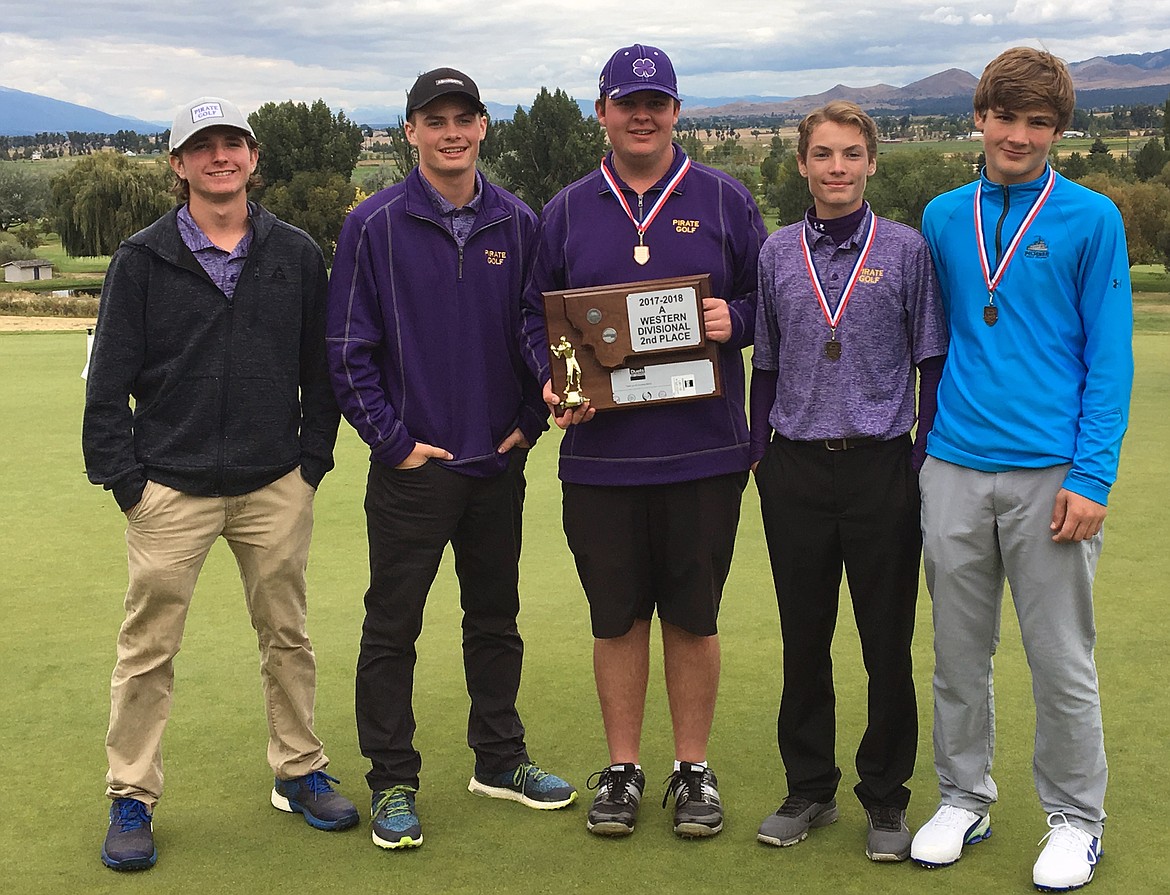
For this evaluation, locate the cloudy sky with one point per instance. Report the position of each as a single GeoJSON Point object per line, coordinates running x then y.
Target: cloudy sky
{"type": "Point", "coordinates": [145, 59]}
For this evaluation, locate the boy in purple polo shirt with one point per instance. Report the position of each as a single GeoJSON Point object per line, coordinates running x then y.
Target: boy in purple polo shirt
{"type": "Point", "coordinates": [424, 349]}
{"type": "Point", "coordinates": [652, 494]}
{"type": "Point", "coordinates": [848, 308]}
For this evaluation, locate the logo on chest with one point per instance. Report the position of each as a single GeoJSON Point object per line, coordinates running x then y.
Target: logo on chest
{"type": "Point", "coordinates": [492, 256]}
{"type": "Point", "coordinates": [1037, 248]}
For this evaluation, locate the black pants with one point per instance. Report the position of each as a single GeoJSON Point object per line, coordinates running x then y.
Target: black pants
{"type": "Point", "coordinates": [856, 508]}
{"type": "Point", "coordinates": [411, 516]}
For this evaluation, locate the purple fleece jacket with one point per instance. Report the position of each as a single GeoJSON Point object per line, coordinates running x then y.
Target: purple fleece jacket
{"type": "Point", "coordinates": [710, 224]}
{"type": "Point", "coordinates": [423, 336]}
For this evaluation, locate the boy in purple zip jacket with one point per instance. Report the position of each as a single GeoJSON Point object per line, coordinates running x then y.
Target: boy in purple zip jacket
{"type": "Point", "coordinates": [652, 494]}
{"type": "Point", "coordinates": [422, 337]}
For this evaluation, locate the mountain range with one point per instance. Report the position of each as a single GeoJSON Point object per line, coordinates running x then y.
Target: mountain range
{"type": "Point", "coordinates": [30, 113]}
{"type": "Point", "coordinates": [1101, 82]}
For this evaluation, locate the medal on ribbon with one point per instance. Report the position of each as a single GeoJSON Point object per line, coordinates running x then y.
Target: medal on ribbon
{"type": "Point", "coordinates": [641, 250]}
{"type": "Point", "coordinates": [833, 318]}
{"type": "Point", "coordinates": [992, 278]}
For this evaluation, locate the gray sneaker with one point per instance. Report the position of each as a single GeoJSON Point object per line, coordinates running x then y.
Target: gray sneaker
{"type": "Point", "coordinates": [698, 810]}
{"type": "Point", "coordinates": [792, 820]}
{"type": "Point", "coordinates": [615, 807]}
{"type": "Point", "coordinates": [889, 837]}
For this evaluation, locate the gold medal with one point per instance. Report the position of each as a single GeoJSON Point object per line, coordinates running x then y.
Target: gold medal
{"type": "Point", "coordinates": [641, 250]}
{"type": "Point", "coordinates": [833, 349]}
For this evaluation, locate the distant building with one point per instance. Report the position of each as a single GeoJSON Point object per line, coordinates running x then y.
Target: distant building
{"type": "Point", "coordinates": [28, 271]}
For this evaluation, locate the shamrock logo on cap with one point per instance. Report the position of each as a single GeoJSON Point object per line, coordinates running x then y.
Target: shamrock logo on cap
{"type": "Point", "coordinates": [644, 68]}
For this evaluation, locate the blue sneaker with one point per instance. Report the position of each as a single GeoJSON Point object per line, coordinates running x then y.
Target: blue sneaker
{"type": "Point", "coordinates": [526, 784]}
{"type": "Point", "coordinates": [129, 841]}
{"type": "Point", "coordinates": [395, 823]}
{"type": "Point", "coordinates": [312, 796]}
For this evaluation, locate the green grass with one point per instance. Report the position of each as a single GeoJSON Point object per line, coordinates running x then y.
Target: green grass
{"type": "Point", "coordinates": [1151, 298]}
{"type": "Point", "coordinates": [62, 563]}
{"type": "Point", "coordinates": [94, 265]}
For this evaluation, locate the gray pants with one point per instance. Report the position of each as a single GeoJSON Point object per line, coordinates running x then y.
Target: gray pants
{"type": "Point", "coordinates": [979, 527]}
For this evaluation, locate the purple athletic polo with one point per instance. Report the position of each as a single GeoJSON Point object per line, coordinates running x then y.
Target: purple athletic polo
{"type": "Point", "coordinates": [892, 322]}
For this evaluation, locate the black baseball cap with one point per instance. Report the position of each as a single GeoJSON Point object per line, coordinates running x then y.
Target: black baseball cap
{"type": "Point", "coordinates": [439, 82]}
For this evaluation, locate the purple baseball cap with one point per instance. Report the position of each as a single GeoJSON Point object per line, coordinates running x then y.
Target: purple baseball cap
{"type": "Point", "coordinates": [635, 68]}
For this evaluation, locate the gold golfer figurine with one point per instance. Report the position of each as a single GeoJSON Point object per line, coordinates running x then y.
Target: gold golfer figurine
{"type": "Point", "coordinates": [573, 397]}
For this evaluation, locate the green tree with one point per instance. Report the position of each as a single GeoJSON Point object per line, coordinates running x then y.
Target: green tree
{"type": "Point", "coordinates": [307, 157]}
{"type": "Point", "coordinates": [30, 234]}
{"type": "Point", "coordinates": [546, 148]}
{"type": "Point", "coordinates": [788, 194]}
{"type": "Point", "coordinates": [295, 138]}
{"type": "Point", "coordinates": [1145, 209]}
{"type": "Point", "coordinates": [906, 180]}
{"type": "Point", "coordinates": [769, 169]}
{"type": "Point", "coordinates": [1100, 158]}
{"type": "Point", "coordinates": [1074, 166]}
{"type": "Point", "coordinates": [24, 195]}
{"type": "Point", "coordinates": [1150, 160]}
{"type": "Point", "coordinates": [103, 198]}
{"type": "Point", "coordinates": [12, 250]}
{"type": "Point", "coordinates": [691, 144]}
{"type": "Point", "coordinates": [1166, 125]}
{"type": "Point", "coordinates": [403, 156]}
{"type": "Point", "coordinates": [317, 201]}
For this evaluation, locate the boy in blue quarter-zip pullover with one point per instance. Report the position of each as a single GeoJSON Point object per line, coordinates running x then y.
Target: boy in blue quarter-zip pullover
{"type": "Point", "coordinates": [424, 351]}
{"type": "Point", "coordinates": [1032, 407]}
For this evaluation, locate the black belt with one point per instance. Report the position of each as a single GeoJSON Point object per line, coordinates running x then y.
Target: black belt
{"type": "Point", "coordinates": [844, 444]}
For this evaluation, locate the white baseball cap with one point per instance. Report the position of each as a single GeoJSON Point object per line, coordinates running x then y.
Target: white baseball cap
{"type": "Point", "coordinates": [205, 112]}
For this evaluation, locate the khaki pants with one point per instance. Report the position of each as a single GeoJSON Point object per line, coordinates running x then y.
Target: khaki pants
{"type": "Point", "coordinates": [168, 538]}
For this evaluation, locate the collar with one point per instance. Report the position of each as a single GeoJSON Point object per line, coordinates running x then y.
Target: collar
{"type": "Point", "coordinates": [444, 207]}
{"type": "Point", "coordinates": [1029, 188]}
{"type": "Point", "coordinates": [843, 231]}
{"type": "Point", "coordinates": [196, 240]}
{"type": "Point", "coordinates": [675, 162]}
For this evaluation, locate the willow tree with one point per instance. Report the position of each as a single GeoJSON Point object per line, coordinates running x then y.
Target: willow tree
{"type": "Point", "coordinates": [103, 198]}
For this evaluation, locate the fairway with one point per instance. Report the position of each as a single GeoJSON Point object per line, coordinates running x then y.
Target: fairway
{"type": "Point", "coordinates": [63, 573]}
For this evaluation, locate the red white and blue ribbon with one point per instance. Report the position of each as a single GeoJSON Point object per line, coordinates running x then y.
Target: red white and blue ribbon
{"type": "Point", "coordinates": [990, 277]}
{"type": "Point", "coordinates": [833, 318]}
{"type": "Point", "coordinates": [644, 225]}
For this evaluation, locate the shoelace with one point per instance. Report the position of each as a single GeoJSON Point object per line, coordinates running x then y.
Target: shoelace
{"type": "Point", "coordinates": [530, 771]}
{"type": "Point", "coordinates": [684, 785]}
{"type": "Point", "coordinates": [793, 806]}
{"type": "Point", "coordinates": [615, 783]}
{"type": "Point", "coordinates": [396, 802]}
{"type": "Point", "coordinates": [132, 815]}
{"type": "Point", "coordinates": [318, 782]}
{"type": "Point", "coordinates": [951, 818]}
{"type": "Point", "coordinates": [886, 817]}
{"type": "Point", "coordinates": [1062, 834]}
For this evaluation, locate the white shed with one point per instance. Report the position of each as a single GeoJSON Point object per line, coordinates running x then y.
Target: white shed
{"type": "Point", "coordinates": [28, 271]}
